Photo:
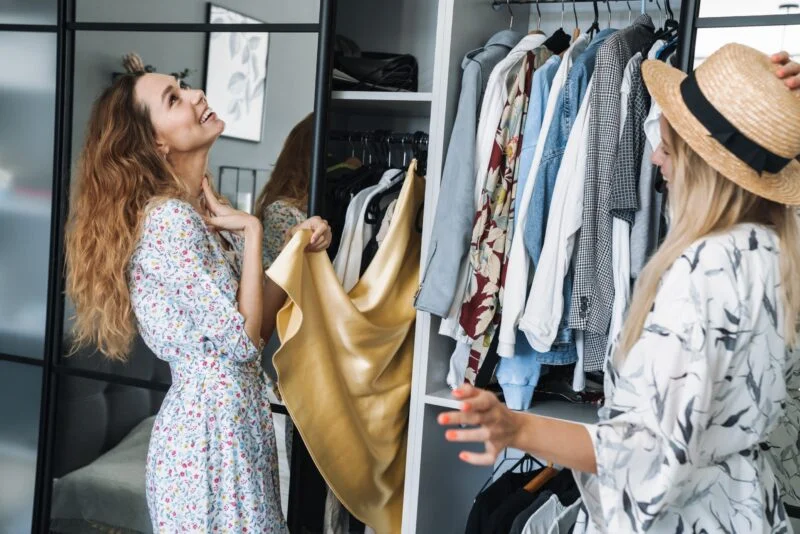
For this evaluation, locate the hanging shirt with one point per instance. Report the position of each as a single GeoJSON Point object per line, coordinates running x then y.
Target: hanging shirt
{"type": "Point", "coordinates": [492, 233]}
{"type": "Point", "coordinates": [635, 104]}
{"type": "Point", "coordinates": [491, 110]}
{"type": "Point", "coordinates": [344, 365]}
{"type": "Point", "coordinates": [566, 519]}
{"type": "Point", "coordinates": [545, 301]}
{"type": "Point", "coordinates": [348, 259]}
{"type": "Point", "coordinates": [452, 224]}
{"type": "Point", "coordinates": [593, 288]}
{"type": "Point", "coordinates": [684, 439]}
{"type": "Point", "coordinates": [518, 263]}
{"type": "Point", "coordinates": [644, 232]}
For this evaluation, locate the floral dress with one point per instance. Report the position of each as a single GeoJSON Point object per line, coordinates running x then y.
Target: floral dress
{"type": "Point", "coordinates": [212, 461]}
{"type": "Point", "coordinates": [694, 433]}
{"type": "Point", "coordinates": [278, 218]}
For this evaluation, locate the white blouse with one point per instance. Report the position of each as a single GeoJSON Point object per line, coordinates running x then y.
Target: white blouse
{"type": "Point", "coordinates": [698, 433]}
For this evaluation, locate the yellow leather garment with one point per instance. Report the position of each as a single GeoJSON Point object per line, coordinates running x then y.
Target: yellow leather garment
{"type": "Point", "coordinates": [344, 366]}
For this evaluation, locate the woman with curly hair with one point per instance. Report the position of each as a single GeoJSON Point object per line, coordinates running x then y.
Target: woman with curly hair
{"type": "Point", "coordinates": [151, 247]}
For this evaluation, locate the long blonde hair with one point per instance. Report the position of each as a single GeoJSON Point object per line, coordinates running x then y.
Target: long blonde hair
{"type": "Point", "coordinates": [119, 173]}
{"type": "Point", "coordinates": [704, 202]}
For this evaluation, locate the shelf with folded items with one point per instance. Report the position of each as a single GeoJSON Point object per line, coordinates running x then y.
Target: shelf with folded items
{"type": "Point", "coordinates": [382, 103]}
{"type": "Point", "coordinates": [563, 410]}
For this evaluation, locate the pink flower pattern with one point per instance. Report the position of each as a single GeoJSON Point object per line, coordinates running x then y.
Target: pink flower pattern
{"type": "Point", "coordinates": [212, 461]}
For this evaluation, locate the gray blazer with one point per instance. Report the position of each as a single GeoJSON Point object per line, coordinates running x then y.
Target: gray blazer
{"type": "Point", "coordinates": [455, 211]}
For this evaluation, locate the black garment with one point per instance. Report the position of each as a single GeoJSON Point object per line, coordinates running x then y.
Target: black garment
{"type": "Point", "coordinates": [558, 42]}
{"type": "Point", "coordinates": [502, 519]}
{"type": "Point", "coordinates": [525, 515]}
{"type": "Point", "coordinates": [341, 185]}
{"type": "Point", "coordinates": [307, 492]}
{"type": "Point", "coordinates": [492, 497]}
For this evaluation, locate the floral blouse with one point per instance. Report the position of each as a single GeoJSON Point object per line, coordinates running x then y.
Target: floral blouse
{"type": "Point", "coordinates": [277, 219]}
{"type": "Point", "coordinates": [699, 432]}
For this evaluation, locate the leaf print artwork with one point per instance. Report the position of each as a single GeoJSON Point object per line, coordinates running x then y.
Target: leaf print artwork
{"type": "Point", "coordinates": [701, 435]}
{"type": "Point", "coordinates": [236, 75]}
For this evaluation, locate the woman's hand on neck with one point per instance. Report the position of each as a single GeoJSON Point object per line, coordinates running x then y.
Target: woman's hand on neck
{"type": "Point", "coordinates": [191, 168]}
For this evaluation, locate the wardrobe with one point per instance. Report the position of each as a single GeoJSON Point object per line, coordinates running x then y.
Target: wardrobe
{"type": "Point", "coordinates": [439, 488]}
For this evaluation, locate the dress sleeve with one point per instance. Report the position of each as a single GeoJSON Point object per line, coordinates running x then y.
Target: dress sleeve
{"type": "Point", "coordinates": [183, 294]}
{"type": "Point", "coordinates": [277, 219]}
{"type": "Point", "coordinates": [689, 395]}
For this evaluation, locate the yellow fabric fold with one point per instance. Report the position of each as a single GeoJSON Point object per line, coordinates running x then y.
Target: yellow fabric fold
{"type": "Point", "coordinates": [344, 365]}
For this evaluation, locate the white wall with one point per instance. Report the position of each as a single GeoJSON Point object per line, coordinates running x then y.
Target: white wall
{"type": "Point", "coordinates": [291, 65]}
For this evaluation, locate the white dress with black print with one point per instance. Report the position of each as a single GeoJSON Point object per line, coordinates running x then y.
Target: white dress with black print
{"type": "Point", "coordinates": [699, 430]}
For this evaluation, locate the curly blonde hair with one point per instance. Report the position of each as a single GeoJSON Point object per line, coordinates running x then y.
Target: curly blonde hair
{"type": "Point", "coordinates": [120, 172]}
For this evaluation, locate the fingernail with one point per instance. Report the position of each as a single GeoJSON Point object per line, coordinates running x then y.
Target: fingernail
{"type": "Point", "coordinates": [457, 393]}
{"type": "Point", "coordinates": [463, 456]}
{"type": "Point", "coordinates": [444, 419]}
{"type": "Point", "coordinates": [465, 406]}
{"type": "Point", "coordinates": [450, 435]}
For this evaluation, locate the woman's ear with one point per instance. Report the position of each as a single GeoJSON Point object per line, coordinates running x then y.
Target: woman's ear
{"type": "Point", "coordinates": [162, 148]}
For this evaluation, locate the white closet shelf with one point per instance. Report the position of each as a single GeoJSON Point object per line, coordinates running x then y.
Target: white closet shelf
{"type": "Point", "coordinates": [565, 411]}
{"type": "Point", "coordinates": [383, 103]}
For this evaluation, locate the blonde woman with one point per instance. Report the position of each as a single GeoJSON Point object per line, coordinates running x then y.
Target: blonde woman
{"type": "Point", "coordinates": [699, 431]}
{"type": "Point", "coordinates": [150, 247]}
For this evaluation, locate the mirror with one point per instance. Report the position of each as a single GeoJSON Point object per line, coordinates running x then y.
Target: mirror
{"type": "Point", "coordinates": [263, 86]}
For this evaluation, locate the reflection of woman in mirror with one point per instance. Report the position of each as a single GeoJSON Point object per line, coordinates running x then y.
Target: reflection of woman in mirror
{"type": "Point", "coordinates": [150, 245]}
{"type": "Point", "coordinates": [282, 203]}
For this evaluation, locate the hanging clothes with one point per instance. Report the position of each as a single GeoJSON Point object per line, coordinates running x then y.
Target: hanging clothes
{"type": "Point", "coordinates": [624, 202]}
{"type": "Point", "coordinates": [452, 226]}
{"type": "Point", "coordinates": [344, 366]}
{"type": "Point", "coordinates": [494, 100]}
{"type": "Point", "coordinates": [544, 321]}
{"type": "Point", "coordinates": [518, 375]}
{"type": "Point", "coordinates": [692, 456]}
{"type": "Point", "coordinates": [644, 232]}
{"type": "Point", "coordinates": [593, 287]}
{"type": "Point", "coordinates": [565, 522]}
{"type": "Point", "coordinates": [356, 233]}
{"type": "Point", "coordinates": [492, 233]}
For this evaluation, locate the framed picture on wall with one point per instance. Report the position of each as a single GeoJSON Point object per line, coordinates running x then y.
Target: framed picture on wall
{"type": "Point", "coordinates": [236, 74]}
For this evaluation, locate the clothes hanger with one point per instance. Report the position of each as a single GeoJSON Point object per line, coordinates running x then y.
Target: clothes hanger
{"type": "Point", "coordinates": [538, 30]}
{"type": "Point", "coordinates": [526, 460]}
{"type": "Point", "coordinates": [577, 31]}
{"type": "Point", "coordinates": [630, 12]}
{"type": "Point", "coordinates": [510, 13]}
{"type": "Point", "coordinates": [660, 18]}
{"type": "Point", "coordinates": [542, 478]}
{"type": "Point", "coordinates": [608, 6]}
{"type": "Point", "coordinates": [595, 27]}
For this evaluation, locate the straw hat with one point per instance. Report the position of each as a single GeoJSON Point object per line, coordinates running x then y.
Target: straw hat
{"type": "Point", "coordinates": [738, 116]}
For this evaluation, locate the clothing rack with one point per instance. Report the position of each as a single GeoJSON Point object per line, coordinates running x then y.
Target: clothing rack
{"type": "Point", "coordinates": [379, 136]}
{"type": "Point", "coordinates": [497, 4]}
{"type": "Point", "coordinates": [382, 143]}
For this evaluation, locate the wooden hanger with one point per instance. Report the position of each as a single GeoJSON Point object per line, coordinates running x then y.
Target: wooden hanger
{"type": "Point", "coordinates": [543, 477]}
